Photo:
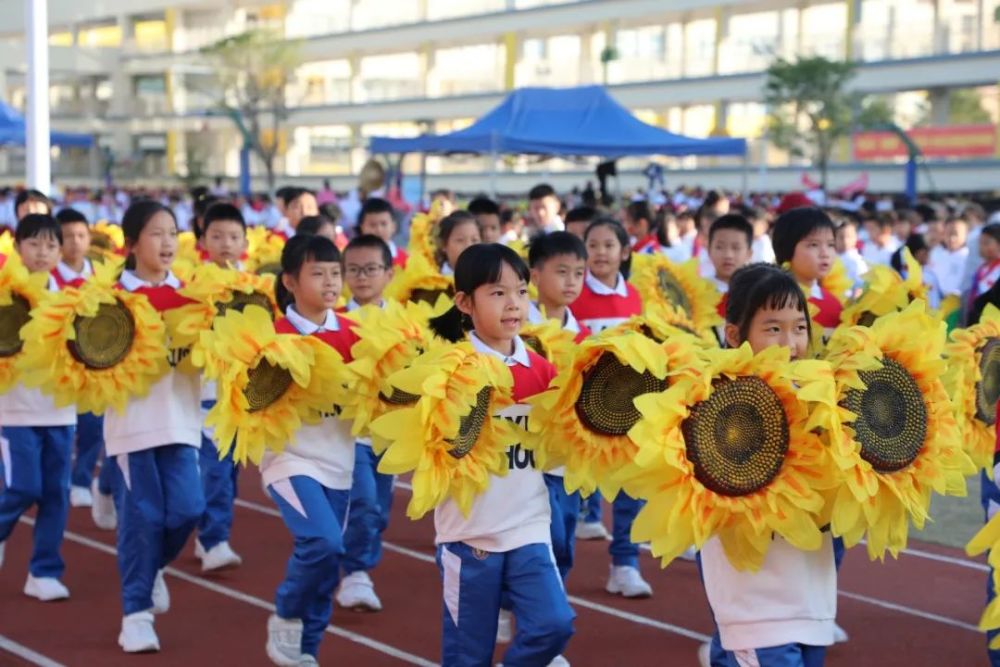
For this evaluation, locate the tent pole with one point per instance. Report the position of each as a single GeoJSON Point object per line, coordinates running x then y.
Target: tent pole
{"type": "Point", "coordinates": [746, 175]}
{"type": "Point", "coordinates": [37, 118]}
{"type": "Point", "coordinates": [493, 164]}
{"type": "Point", "coordinates": [423, 175]}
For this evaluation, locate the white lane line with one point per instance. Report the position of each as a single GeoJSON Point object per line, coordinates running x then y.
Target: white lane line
{"type": "Point", "coordinates": [20, 650]}
{"type": "Point", "coordinates": [578, 601]}
{"type": "Point", "coordinates": [249, 599]}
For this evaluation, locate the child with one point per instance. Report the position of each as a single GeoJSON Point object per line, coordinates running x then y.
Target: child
{"type": "Point", "coordinates": [763, 251]}
{"type": "Point", "coordinates": [317, 225]}
{"type": "Point", "coordinates": [456, 232]}
{"type": "Point", "coordinates": [606, 301]}
{"type": "Point", "coordinates": [558, 264]}
{"type": "Point", "coordinates": [30, 201]}
{"type": "Point", "coordinates": [989, 270]}
{"type": "Point", "coordinates": [804, 238]}
{"type": "Point", "coordinates": [544, 207]}
{"type": "Point", "coordinates": [155, 441]}
{"type": "Point", "coordinates": [846, 237]}
{"type": "Point", "coordinates": [879, 248]}
{"type": "Point", "coordinates": [730, 247]}
{"type": "Point", "coordinates": [74, 267]}
{"type": "Point", "coordinates": [487, 214]}
{"type": "Point", "coordinates": [225, 242]}
{"type": "Point", "coordinates": [368, 270]}
{"type": "Point", "coordinates": [917, 246]}
{"type": "Point", "coordinates": [503, 547]}
{"type": "Point", "coordinates": [378, 218]}
{"type": "Point", "coordinates": [948, 259]}
{"type": "Point", "coordinates": [310, 480]}
{"type": "Point", "coordinates": [782, 615]}
{"type": "Point", "coordinates": [642, 228]}
{"type": "Point", "coordinates": [37, 441]}
{"type": "Point", "coordinates": [578, 219]}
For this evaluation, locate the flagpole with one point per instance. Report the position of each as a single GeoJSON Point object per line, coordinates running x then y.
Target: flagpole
{"type": "Point", "coordinates": [37, 118]}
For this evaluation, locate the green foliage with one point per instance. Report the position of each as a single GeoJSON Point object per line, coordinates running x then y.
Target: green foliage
{"type": "Point", "coordinates": [965, 107]}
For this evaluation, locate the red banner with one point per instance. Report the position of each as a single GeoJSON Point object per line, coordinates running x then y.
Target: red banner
{"type": "Point", "coordinates": [956, 141]}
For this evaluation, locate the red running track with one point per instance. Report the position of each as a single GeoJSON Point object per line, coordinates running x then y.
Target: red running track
{"type": "Point", "coordinates": [918, 611]}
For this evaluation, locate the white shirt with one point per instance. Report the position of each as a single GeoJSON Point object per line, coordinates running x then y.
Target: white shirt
{"type": "Point", "coordinates": [678, 253]}
{"type": "Point", "coordinates": [555, 225]}
{"type": "Point", "coordinates": [446, 269]}
{"type": "Point", "coordinates": [763, 250]}
{"type": "Point", "coordinates": [569, 323]}
{"type": "Point", "coordinates": [949, 267]}
{"type": "Point", "coordinates": [69, 275]}
{"type": "Point", "coordinates": [855, 265]}
{"type": "Point", "coordinates": [705, 267]}
{"type": "Point", "coordinates": [874, 254]}
{"type": "Point", "coordinates": [308, 327]}
{"type": "Point", "coordinates": [597, 287]}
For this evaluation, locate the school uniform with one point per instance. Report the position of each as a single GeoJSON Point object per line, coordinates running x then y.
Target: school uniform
{"type": "Point", "coordinates": [600, 307]}
{"type": "Point", "coordinates": [219, 479]}
{"type": "Point", "coordinates": [36, 447]}
{"type": "Point", "coordinates": [647, 246]}
{"type": "Point", "coordinates": [855, 265]}
{"type": "Point", "coordinates": [983, 280]}
{"type": "Point", "coordinates": [830, 307]}
{"type": "Point", "coordinates": [399, 256]}
{"type": "Point", "coordinates": [310, 481]}
{"type": "Point", "coordinates": [875, 254]}
{"type": "Point", "coordinates": [950, 268]}
{"type": "Point", "coordinates": [155, 442]}
{"type": "Point", "coordinates": [503, 548]}
{"type": "Point", "coordinates": [370, 504]}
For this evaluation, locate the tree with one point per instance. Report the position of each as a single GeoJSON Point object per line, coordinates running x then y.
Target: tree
{"type": "Point", "coordinates": [811, 108]}
{"type": "Point", "coordinates": [965, 107]}
{"type": "Point", "coordinates": [254, 70]}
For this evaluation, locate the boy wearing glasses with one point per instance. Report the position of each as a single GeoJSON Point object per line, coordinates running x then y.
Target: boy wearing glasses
{"type": "Point", "coordinates": [367, 270]}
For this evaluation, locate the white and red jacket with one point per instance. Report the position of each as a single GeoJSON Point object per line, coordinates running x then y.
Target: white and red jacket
{"type": "Point", "coordinates": [323, 452]}
{"type": "Point", "coordinates": [399, 256]}
{"type": "Point", "coordinates": [67, 277]}
{"type": "Point", "coordinates": [514, 510]}
{"type": "Point", "coordinates": [171, 413]}
{"type": "Point", "coordinates": [599, 307]}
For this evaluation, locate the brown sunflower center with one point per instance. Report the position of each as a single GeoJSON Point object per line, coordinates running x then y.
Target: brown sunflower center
{"type": "Point", "coordinates": [471, 425]}
{"type": "Point", "coordinates": [12, 317]}
{"type": "Point", "coordinates": [535, 344]}
{"type": "Point", "coordinates": [988, 388]}
{"type": "Point", "coordinates": [605, 404]}
{"type": "Point", "coordinates": [429, 296]}
{"type": "Point", "coordinates": [891, 423]}
{"type": "Point", "coordinates": [398, 397]}
{"type": "Point", "coordinates": [104, 340]}
{"type": "Point", "coordinates": [266, 383]}
{"type": "Point", "coordinates": [737, 438]}
{"type": "Point", "coordinates": [271, 268]}
{"type": "Point", "coordinates": [672, 290]}
{"type": "Point", "coordinates": [240, 300]}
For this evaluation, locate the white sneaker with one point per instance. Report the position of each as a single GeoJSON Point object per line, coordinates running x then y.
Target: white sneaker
{"type": "Point", "coordinates": [199, 551]}
{"type": "Point", "coordinates": [220, 557]}
{"type": "Point", "coordinates": [593, 530]}
{"type": "Point", "coordinates": [138, 635]}
{"type": "Point", "coordinates": [559, 661]}
{"type": "Point", "coordinates": [308, 661]}
{"type": "Point", "coordinates": [839, 634]}
{"type": "Point", "coordinates": [690, 554]}
{"type": "Point", "coordinates": [102, 509]}
{"type": "Point", "coordinates": [625, 580]}
{"type": "Point", "coordinates": [284, 641]}
{"type": "Point", "coordinates": [80, 496]}
{"type": "Point", "coordinates": [46, 589]}
{"type": "Point", "coordinates": [705, 655]}
{"type": "Point", "coordinates": [357, 592]}
{"type": "Point", "coordinates": [161, 595]}
{"type": "Point", "coordinates": [505, 627]}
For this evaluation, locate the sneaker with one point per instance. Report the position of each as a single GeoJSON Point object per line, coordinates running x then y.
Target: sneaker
{"type": "Point", "coordinates": [308, 661]}
{"type": "Point", "coordinates": [161, 595]}
{"type": "Point", "coordinates": [138, 635]}
{"type": "Point", "coordinates": [839, 635]}
{"type": "Point", "coordinates": [46, 589]}
{"type": "Point", "coordinates": [102, 509]}
{"type": "Point", "coordinates": [559, 661]}
{"type": "Point", "coordinates": [689, 554]}
{"type": "Point", "coordinates": [705, 655]}
{"type": "Point", "coordinates": [625, 580]}
{"type": "Point", "coordinates": [80, 496]}
{"type": "Point", "coordinates": [505, 627]}
{"type": "Point", "coordinates": [358, 593]}
{"type": "Point", "coordinates": [220, 557]}
{"type": "Point", "coordinates": [284, 641]}
{"type": "Point", "coordinates": [593, 530]}
{"type": "Point", "coordinates": [199, 551]}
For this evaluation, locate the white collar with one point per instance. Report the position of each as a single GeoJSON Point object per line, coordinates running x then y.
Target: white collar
{"type": "Point", "coordinates": [68, 274]}
{"type": "Point", "coordinates": [816, 291]}
{"type": "Point", "coordinates": [534, 314]}
{"type": "Point", "coordinates": [555, 225]}
{"type": "Point", "coordinates": [569, 322]}
{"type": "Point", "coordinates": [53, 285]}
{"type": "Point", "coordinates": [720, 285]}
{"type": "Point", "coordinates": [597, 287]}
{"type": "Point", "coordinates": [393, 250]}
{"type": "Point", "coordinates": [353, 305]}
{"type": "Point", "coordinates": [520, 355]}
{"type": "Point", "coordinates": [446, 269]}
{"type": "Point", "coordinates": [132, 282]}
{"type": "Point", "coordinates": [308, 327]}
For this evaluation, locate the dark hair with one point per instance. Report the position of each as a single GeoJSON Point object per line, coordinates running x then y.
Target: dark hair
{"type": "Point", "coordinates": [31, 195]}
{"type": "Point", "coordinates": [447, 226]}
{"type": "Point", "coordinates": [282, 193]}
{"type": "Point", "coordinates": [541, 191]}
{"type": "Point", "coordinates": [291, 194]}
{"type": "Point", "coordinates": [993, 231]}
{"type": "Point", "coordinates": [990, 296]}
{"type": "Point", "coordinates": [640, 210]}
{"type": "Point", "coordinates": [375, 205]}
{"type": "Point", "coordinates": [222, 211]}
{"type": "Point", "coordinates": [134, 221]}
{"type": "Point", "coordinates": [547, 246]}
{"type": "Point", "coordinates": [663, 217]}
{"type": "Point", "coordinates": [299, 250]}
{"type": "Point", "coordinates": [914, 243]}
{"type": "Point", "coordinates": [311, 224]}
{"type": "Point", "coordinates": [443, 192]}
{"type": "Point", "coordinates": [478, 265]}
{"type": "Point", "coordinates": [793, 226]}
{"type": "Point", "coordinates": [733, 221]}
{"type": "Point", "coordinates": [35, 225]}
{"type": "Point", "coordinates": [758, 286]}
{"type": "Point", "coordinates": [581, 214]}
{"type": "Point", "coordinates": [370, 241]}
{"type": "Point", "coordinates": [70, 216]}
{"type": "Point", "coordinates": [604, 221]}
{"type": "Point", "coordinates": [483, 206]}
{"type": "Point", "coordinates": [202, 203]}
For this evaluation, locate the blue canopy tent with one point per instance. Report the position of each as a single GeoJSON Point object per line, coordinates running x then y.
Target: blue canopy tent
{"type": "Point", "coordinates": [12, 131]}
{"type": "Point", "coordinates": [574, 122]}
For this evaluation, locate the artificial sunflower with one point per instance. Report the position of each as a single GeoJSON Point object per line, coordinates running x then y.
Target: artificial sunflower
{"type": "Point", "coordinates": [20, 293]}
{"type": "Point", "coordinates": [901, 438]}
{"type": "Point", "coordinates": [390, 339]}
{"type": "Point", "coordinates": [452, 438]}
{"type": "Point", "coordinates": [584, 420]}
{"type": "Point", "coordinates": [730, 450]}
{"type": "Point", "coordinates": [107, 242]}
{"type": "Point", "coordinates": [886, 292]}
{"type": "Point", "coordinates": [187, 248]}
{"type": "Point", "coordinates": [422, 243]}
{"type": "Point", "coordinates": [551, 341]}
{"type": "Point", "coordinates": [264, 251]}
{"type": "Point", "coordinates": [421, 281]}
{"type": "Point", "coordinates": [658, 280]}
{"type": "Point", "coordinates": [660, 321]}
{"type": "Point", "coordinates": [6, 243]}
{"type": "Point", "coordinates": [973, 381]}
{"type": "Point", "coordinates": [94, 346]}
{"type": "Point", "coordinates": [988, 539]}
{"type": "Point", "coordinates": [837, 282]}
{"type": "Point", "coordinates": [271, 385]}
